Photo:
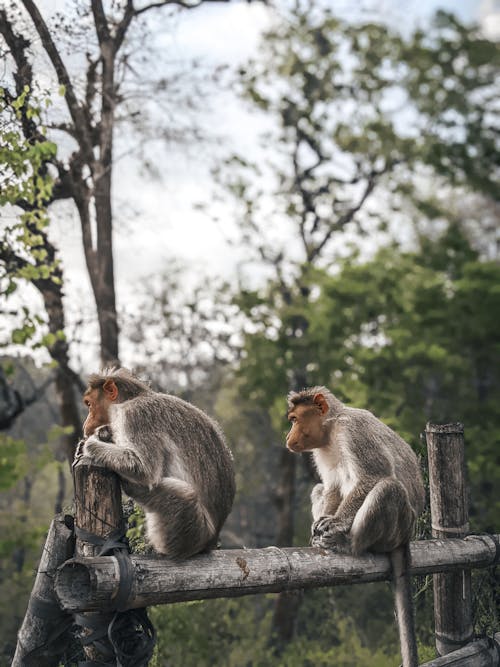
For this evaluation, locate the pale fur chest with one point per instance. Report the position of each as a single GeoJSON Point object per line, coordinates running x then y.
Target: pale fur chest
{"type": "Point", "coordinates": [335, 469]}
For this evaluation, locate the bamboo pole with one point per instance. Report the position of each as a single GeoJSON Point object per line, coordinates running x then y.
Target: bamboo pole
{"type": "Point", "coordinates": [90, 584]}
{"type": "Point", "coordinates": [450, 519]}
{"type": "Point", "coordinates": [44, 617]}
{"type": "Point", "coordinates": [98, 504]}
{"type": "Point", "coordinates": [98, 512]}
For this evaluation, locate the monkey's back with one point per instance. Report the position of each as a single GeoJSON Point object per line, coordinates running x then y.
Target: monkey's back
{"type": "Point", "coordinates": [186, 443]}
{"type": "Point", "coordinates": [375, 440]}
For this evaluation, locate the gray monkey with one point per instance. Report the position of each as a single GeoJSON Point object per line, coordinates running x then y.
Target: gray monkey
{"type": "Point", "coordinates": [171, 457]}
{"type": "Point", "coordinates": [371, 489]}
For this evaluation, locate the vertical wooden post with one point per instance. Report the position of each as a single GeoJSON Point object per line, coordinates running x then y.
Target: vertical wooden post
{"type": "Point", "coordinates": [44, 618]}
{"type": "Point", "coordinates": [98, 511]}
{"type": "Point", "coordinates": [450, 518]}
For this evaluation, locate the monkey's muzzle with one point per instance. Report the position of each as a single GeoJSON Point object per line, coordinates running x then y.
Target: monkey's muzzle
{"type": "Point", "coordinates": [294, 447]}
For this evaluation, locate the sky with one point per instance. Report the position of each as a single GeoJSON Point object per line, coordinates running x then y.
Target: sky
{"type": "Point", "coordinates": [156, 220]}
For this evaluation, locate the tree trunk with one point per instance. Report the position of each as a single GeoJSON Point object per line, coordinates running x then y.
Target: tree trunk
{"type": "Point", "coordinates": [105, 293]}
{"type": "Point", "coordinates": [65, 378]}
{"type": "Point", "coordinates": [285, 497]}
{"type": "Point", "coordinates": [287, 603]}
{"type": "Point", "coordinates": [105, 296]}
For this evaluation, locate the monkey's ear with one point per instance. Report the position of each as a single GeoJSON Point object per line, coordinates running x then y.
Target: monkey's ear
{"type": "Point", "coordinates": [110, 390]}
{"type": "Point", "coordinates": [320, 401]}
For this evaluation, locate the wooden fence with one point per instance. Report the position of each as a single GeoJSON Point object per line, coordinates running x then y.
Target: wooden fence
{"type": "Point", "coordinates": [92, 587]}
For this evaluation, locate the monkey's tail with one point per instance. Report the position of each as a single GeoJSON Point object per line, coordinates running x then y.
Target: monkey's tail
{"type": "Point", "coordinates": [403, 603]}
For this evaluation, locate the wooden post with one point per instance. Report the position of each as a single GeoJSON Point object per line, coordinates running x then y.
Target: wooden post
{"type": "Point", "coordinates": [44, 616]}
{"type": "Point", "coordinates": [450, 518]}
{"type": "Point", "coordinates": [98, 511]}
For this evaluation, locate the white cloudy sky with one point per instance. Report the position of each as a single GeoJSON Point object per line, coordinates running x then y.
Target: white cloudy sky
{"type": "Point", "coordinates": [154, 218]}
{"type": "Point", "coordinates": [222, 33]}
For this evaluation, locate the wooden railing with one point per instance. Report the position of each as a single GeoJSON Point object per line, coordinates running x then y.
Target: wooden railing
{"type": "Point", "coordinates": [92, 585]}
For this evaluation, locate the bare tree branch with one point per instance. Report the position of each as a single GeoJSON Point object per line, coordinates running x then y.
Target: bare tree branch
{"type": "Point", "coordinates": [82, 130]}
{"type": "Point", "coordinates": [101, 23]}
{"type": "Point", "coordinates": [179, 3]}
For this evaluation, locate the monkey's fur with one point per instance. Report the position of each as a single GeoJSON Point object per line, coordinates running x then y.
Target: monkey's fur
{"type": "Point", "coordinates": [371, 492]}
{"type": "Point", "coordinates": [172, 459]}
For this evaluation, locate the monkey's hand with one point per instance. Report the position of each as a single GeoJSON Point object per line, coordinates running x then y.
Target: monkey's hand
{"type": "Point", "coordinates": [330, 533]}
{"type": "Point", "coordinates": [78, 453]}
{"type": "Point", "coordinates": [104, 433]}
{"type": "Point", "coordinates": [92, 447]}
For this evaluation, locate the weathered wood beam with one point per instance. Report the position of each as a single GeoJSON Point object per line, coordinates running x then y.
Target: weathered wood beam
{"type": "Point", "coordinates": [481, 653]}
{"type": "Point", "coordinates": [90, 584]}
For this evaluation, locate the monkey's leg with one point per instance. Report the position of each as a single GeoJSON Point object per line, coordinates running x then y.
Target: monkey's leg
{"type": "Point", "coordinates": [177, 523]}
{"type": "Point", "coordinates": [385, 519]}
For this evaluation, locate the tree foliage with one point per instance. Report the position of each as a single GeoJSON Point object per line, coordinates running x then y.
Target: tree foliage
{"type": "Point", "coordinates": [356, 149]}
{"type": "Point", "coordinates": [103, 90]}
{"type": "Point", "coordinates": [363, 119]}
{"type": "Point", "coordinates": [27, 254]}
{"type": "Point", "coordinates": [412, 336]}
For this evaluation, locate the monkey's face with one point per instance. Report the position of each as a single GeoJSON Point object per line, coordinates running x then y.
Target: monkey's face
{"type": "Point", "coordinates": [98, 407]}
{"type": "Point", "coordinates": [307, 431]}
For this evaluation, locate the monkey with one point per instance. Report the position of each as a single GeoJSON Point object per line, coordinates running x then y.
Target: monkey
{"type": "Point", "coordinates": [171, 457]}
{"type": "Point", "coordinates": [371, 489]}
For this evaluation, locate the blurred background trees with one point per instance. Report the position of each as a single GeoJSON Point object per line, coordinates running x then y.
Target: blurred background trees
{"type": "Point", "coordinates": [369, 221]}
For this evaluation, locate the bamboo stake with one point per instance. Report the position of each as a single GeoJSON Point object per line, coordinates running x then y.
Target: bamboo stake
{"type": "Point", "coordinates": [450, 518]}
{"type": "Point", "coordinates": [98, 511]}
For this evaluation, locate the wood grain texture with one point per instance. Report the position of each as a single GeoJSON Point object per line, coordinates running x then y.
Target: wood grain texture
{"type": "Point", "coordinates": [92, 583]}
{"type": "Point", "coordinates": [98, 503]}
{"type": "Point", "coordinates": [98, 510]}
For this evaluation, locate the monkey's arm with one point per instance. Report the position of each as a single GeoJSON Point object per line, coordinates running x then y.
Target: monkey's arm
{"type": "Point", "coordinates": [325, 500]}
{"type": "Point", "coordinates": [331, 529]}
{"type": "Point", "coordinates": [122, 460]}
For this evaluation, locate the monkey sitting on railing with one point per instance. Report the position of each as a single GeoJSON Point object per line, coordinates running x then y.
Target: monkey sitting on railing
{"type": "Point", "coordinates": [371, 490]}
{"type": "Point", "coordinates": [171, 457]}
